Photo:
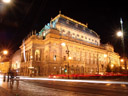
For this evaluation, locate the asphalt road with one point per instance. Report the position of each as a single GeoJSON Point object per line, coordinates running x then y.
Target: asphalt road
{"type": "Point", "coordinates": [85, 88]}
{"type": "Point", "coordinates": [63, 87]}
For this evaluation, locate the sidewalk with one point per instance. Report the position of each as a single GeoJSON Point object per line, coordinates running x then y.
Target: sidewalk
{"type": "Point", "coordinates": [3, 91]}
{"type": "Point", "coordinates": [32, 89]}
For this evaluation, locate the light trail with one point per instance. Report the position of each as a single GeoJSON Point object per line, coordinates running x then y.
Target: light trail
{"type": "Point", "coordinates": [71, 80]}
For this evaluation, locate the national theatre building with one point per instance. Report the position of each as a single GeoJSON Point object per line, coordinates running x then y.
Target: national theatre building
{"type": "Point", "coordinates": [65, 46]}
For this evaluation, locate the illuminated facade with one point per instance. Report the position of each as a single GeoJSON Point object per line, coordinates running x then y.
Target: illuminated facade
{"type": "Point", "coordinates": [43, 54]}
{"type": "Point", "coordinates": [4, 66]}
{"type": "Point", "coordinates": [124, 63]}
{"type": "Point", "coordinates": [16, 60]}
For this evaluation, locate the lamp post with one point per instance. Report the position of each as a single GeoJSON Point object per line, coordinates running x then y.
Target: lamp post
{"type": "Point", "coordinates": [97, 63]}
{"type": "Point", "coordinates": [3, 53]}
{"type": "Point", "coordinates": [121, 34]}
{"type": "Point", "coordinates": [69, 58]}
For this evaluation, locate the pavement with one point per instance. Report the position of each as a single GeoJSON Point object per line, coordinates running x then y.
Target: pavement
{"type": "Point", "coordinates": [29, 89]}
{"type": "Point", "coordinates": [23, 88]}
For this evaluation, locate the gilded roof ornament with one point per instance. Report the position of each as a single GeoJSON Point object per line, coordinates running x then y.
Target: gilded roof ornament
{"type": "Point", "coordinates": [60, 12]}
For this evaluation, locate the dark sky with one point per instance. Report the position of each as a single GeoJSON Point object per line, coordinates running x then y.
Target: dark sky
{"type": "Point", "coordinates": [20, 17]}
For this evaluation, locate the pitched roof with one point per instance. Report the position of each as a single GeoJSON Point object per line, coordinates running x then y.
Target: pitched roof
{"type": "Point", "coordinates": [74, 24]}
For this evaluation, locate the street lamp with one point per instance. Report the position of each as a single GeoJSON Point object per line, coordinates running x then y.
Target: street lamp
{"type": "Point", "coordinates": [122, 60]}
{"type": "Point", "coordinates": [5, 52]}
{"type": "Point", "coordinates": [67, 52]}
{"type": "Point", "coordinates": [121, 34]}
{"type": "Point", "coordinates": [6, 1]}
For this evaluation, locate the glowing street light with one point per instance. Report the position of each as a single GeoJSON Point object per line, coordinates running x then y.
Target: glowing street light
{"type": "Point", "coordinates": [120, 34]}
{"type": "Point", "coordinates": [5, 52]}
{"type": "Point", "coordinates": [6, 1]}
{"type": "Point", "coordinates": [69, 58]}
{"type": "Point", "coordinates": [122, 60]}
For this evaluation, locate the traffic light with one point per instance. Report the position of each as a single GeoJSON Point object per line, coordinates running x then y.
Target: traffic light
{"type": "Point", "coordinates": [65, 70]}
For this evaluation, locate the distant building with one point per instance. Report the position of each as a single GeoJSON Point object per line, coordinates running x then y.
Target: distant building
{"type": "Point", "coordinates": [16, 60]}
{"type": "Point", "coordinates": [43, 54]}
{"type": "Point", "coordinates": [4, 65]}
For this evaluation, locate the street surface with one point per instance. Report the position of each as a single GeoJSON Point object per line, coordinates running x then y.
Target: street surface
{"type": "Point", "coordinates": [51, 87]}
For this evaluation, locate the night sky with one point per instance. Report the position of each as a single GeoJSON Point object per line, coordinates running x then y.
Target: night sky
{"type": "Point", "coordinates": [20, 17]}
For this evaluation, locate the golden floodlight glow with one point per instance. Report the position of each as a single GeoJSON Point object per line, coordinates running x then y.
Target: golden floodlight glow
{"type": "Point", "coordinates": [6, 1]}
{"type": "Point", "coordinates": [69, 58]}
{"type": "Point", "coordinates": [122, 60]}
{"type": "Point", "coordinates": [5, 52]}
{"type": "Point", "coordinates": [63, 44]}
{"type": "Point", "coordinates": [119, 34]}
{"type": "Point", "coordinates": [112, 66]}
{"type": "Point", "coordinates": [31, 67]}
{"type": "Point", "coordinates": [105, 55]}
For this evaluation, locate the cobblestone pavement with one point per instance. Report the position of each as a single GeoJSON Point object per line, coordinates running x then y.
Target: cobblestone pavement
{"type": "Point", "coordinates": [29, 89]}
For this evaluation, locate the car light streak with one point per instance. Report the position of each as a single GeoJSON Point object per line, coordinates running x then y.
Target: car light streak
{"type": "Point", "coordinates": [84, 81]}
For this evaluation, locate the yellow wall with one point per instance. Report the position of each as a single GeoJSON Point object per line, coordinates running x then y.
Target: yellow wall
{"type": "Point", "coordinates": [4, 67]}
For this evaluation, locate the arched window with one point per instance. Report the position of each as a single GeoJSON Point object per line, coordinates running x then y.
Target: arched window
{"type": "Point", "coordinates": [82, 70]}
{"type": "Point", "coordinates": [37, 55]}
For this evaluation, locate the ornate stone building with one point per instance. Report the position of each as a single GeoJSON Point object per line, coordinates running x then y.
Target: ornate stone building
{"type": "Point", "coordinates": [16, 60]}
{"type": "Point", "coordinates": [43, 54]}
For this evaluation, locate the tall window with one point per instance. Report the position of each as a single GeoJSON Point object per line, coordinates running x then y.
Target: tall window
{"type": "Point", "coordinates": [64, 58]}
{"type": "Point", "coordinates": [37, 55]}
{"type": "Point", "coordinates": [54, 57]}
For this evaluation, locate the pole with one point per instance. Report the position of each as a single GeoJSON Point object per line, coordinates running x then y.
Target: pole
{"type": "Point", "coordinates": [67, 51]}
{"type": "Point", "coordinates": [97, 63]}
{"type": "Point", "coordinates": [68, 70]}
{"type": "Point", "coordinates": [122, 38]}
{"type": "Point", "coordinates": [121, 23]}
{"type": "Point", "coordinates": [125, 64]}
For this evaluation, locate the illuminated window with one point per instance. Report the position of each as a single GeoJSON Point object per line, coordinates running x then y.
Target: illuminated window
{"type": "Point", "coordinates": [67, 21]}
{"type": "Point", "coordinates": [64, 58]}
{"type": "Point", "coordinates": [37, 55]}
{"type": "Point", "coordinates": [83, 28]}
{"type": "Point", "coordinates": [73, 34]}
{"type": "Point", "coordinates": [54, 57]}
{"type": "Point", "coordinates": [68, 33]}
{"type": "Point", "coordinates": [76, 25]}
{"type": "Point", "coordinates": [44, 34]}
